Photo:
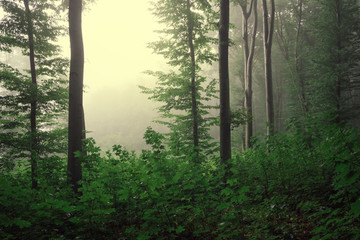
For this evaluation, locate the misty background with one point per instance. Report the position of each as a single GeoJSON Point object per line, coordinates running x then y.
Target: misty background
{"type": "Point", "coordinates": [116, 34]}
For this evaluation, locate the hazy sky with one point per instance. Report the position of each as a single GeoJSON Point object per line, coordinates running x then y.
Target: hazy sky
{"type": "Point", "coordinates": [116, 34]}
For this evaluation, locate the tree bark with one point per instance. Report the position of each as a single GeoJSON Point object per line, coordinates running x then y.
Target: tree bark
{"type": "Point", "coordinates": [225, 134]}
{"type": "Point", "coordinates": [338, 61]}
{"type": "Point", "coordinates": [248, 63]}
{"type": "Point", "coordinates": [268, 30]}
{"type": "Point", "coordinates": [194, 107]}
{"type": "Point", "coordinates": [76, 116]}
{"type": "Point", "coordinates": [302, 95]}
{"type": "Point", "coordinates": [33, 104]}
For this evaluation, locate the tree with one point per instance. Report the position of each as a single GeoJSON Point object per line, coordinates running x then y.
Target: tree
{"type": "Point", "coordinates": [335, 60]}
{"type": "Point", "coordinates": [268, 30]}
{"type": "Point", "coordinates": [31, 27]}
{"type": "Point", "coordinates": [225, 133]}
{"type": "Point", "coordinates": [289, 21]}
{"type": "Point", "coordinates": [186, 46]}
{"type": "Point", "coordinates": [194, 108]}
{"type": "Point", "coordinates": [33, 144]}
{"type": "Point", "coordinates": [76, 113]}
{"type": "Point", "coordinates": [248, 62]}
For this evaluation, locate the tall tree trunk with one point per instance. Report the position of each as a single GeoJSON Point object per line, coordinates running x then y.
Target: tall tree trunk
{"type": "Point", "coordinates": [338, 60]}
{"type": "Point", "coordinates": [302, 95]}
{"type": "Point", "coordinates": [194, 107]}
{"type": "Point", "coordinates": [248, 63]}
{"type": "Point", "coordinates": [268, 30]}
{"type": "Point", "coordinates": [34, 149]}
{"type": "Point", "coordinates": [225, 134]}
{"type": "Point", "coordinates": [76, 116]}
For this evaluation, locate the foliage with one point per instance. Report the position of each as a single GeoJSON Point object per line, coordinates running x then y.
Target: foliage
{"type": "Point", "coordinates": [284, 188]}
{"type": "Point", "coordinates": [18, 91]}
{"type": "Point", "coordinates": [335, 58]}
{"type": "Point", "coordinates": [184, 91]}
{"type": "Point", "coordinates": [300, 184]}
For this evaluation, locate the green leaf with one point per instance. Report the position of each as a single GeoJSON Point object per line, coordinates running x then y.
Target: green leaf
{"type": "Point", "coordinates": [227, 191]}
{"type": "Point", "coordinates": [355, 208]}
{"type": "Point", "coordinates": [177, 176]}
{"type": "Point", "coordinates": [75, 220]}
{"type": "Point", "coordinates": [68, 209]}
{"type": "Point", "coordinates": [144, 195]}
{"type": "Point", "coordinates": [21, 223]}
{"type": "Point", "coordinates": [222, 206]}
{"type": "Point", "coordinates": [188, 186]}
{"type": "Point", "coordinates": [244, 190]}
{"type": "Point", "coordinates": [180, 229]}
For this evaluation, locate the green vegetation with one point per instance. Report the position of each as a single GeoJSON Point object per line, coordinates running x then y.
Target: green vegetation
{"type": "Point", "coordinates": [185, 92]}
{"type": "Point", "coordinates": [300, 180]}
{"type": "Point", "coordinates": [295, 191]}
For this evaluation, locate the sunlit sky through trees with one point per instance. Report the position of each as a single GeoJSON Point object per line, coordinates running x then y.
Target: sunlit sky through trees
{"type": "Point", "coordinates": [116, 34]}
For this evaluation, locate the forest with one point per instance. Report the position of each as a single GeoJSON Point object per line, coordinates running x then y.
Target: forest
{"type": "Point", "coordinates": [259, 108]}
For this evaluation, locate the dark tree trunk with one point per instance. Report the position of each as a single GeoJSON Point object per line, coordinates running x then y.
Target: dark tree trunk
{"type": "Point", "coordinates": [268, 30]}
{"type": "Point", "coordinates": [76, 116]}
{"type": "Point", "coordinates": [225, 134]}
{"type": "Point", "coordinates": [194, 107]}
{"type": "Point", "coordinates": [248, 62]}
{"type": "Point", "coordinates": [338, 61]}
{"type": "Point", "coordinates": [33, 104]}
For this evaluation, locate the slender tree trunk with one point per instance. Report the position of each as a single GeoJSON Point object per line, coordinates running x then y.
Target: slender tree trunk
{"type": "Point", "coordinates": [338, 60]}
{"type": "Point", "coordinates": [190, 26]}
{"type": "Point", "coordinates": [76, 116]}
{"type": "Point", "coordinates": [33, 104]}
{"type": "Point", "coordinates": [302, 95]}
{"type": "Point", "coordinates": [225, 134]}
{"type": "Point", "coordinates": [248, 61]}
{"type": "Point", "coordinates": [268, 30]}
{"type": "Point", "coordinates": [83, 136]}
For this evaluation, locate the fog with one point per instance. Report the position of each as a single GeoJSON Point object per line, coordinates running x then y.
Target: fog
{"type": "Point", "coordinates": [116, 34]}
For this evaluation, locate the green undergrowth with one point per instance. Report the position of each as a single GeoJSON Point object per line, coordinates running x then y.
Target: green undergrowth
{"type": "Point", "coordinates": [294, 186]}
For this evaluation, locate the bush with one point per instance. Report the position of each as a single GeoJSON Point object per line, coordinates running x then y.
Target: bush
{"type": "Point", "coordinates": [283, 188]}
